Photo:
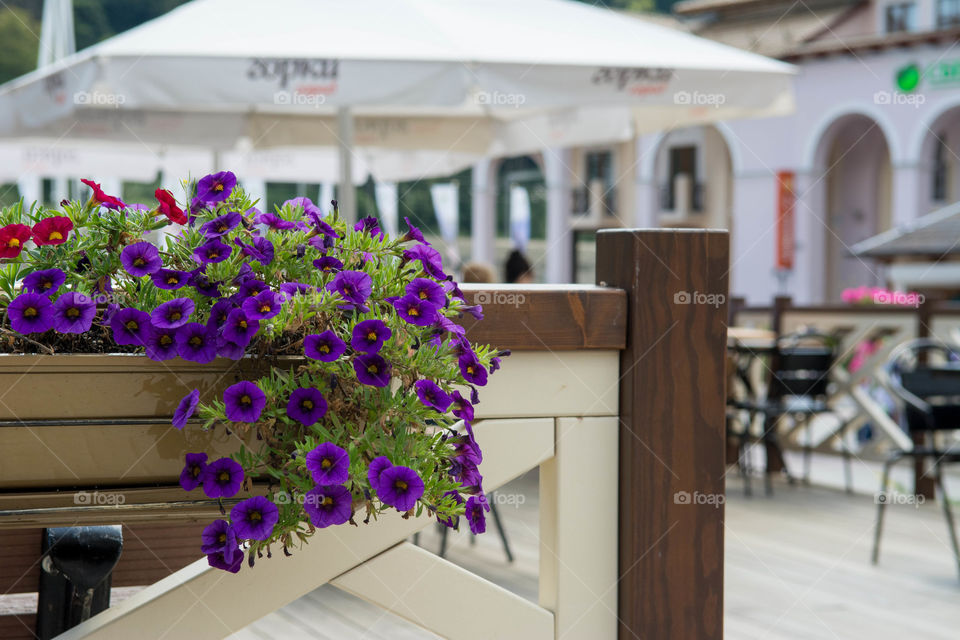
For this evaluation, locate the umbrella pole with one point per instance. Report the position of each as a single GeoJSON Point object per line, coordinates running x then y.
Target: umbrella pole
{"type": "Point", "coordinates": [346, 195]}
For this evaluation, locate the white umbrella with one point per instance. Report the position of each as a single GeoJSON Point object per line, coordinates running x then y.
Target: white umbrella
{"type": "Point", "coordinates": [476, 77]}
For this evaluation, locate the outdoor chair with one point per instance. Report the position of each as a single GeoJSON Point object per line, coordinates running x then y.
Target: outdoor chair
{"type": "Point", "coordinates": [800, 365]}
{"type": "Point", "coordinates": [924, 376]}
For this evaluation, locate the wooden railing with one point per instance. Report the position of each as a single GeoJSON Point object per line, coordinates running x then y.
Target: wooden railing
{"type": "Point", "coordinates": [615, 391]}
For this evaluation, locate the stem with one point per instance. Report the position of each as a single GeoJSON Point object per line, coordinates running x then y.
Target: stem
{"type": "Point", "coordinates": [47, 350]}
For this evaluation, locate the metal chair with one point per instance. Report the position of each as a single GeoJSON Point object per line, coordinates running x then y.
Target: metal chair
{"type": "Point", "coordinates": [930, 395]}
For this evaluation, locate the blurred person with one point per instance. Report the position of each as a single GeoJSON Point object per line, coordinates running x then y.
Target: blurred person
{"type": "Point", "coordinates": [518, 269]}
{"type": "Point", "coordinates": [478, 272]}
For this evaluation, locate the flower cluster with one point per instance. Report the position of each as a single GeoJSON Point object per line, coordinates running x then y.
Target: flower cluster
{"type": "Point", "coordinates": [366, 386]}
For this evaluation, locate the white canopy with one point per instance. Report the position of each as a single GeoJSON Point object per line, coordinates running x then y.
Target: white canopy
{"type": "Point", "coordinates": [468, 77]}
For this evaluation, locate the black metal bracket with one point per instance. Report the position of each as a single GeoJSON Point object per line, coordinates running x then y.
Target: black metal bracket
{"type": "Point", "coordinates": [76, 575]}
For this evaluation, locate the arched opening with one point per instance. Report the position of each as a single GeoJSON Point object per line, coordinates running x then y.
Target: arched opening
{"type": "Point", "coordinates": [938, 162]}
{"type": "Point", "coordinates": [853, 165]}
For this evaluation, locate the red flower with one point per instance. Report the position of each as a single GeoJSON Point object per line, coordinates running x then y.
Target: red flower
{"type": "Point", "coordinates": [169, 208]}
{"type": "Point", "coordinates": [12, 238]}
{"type": "Point", "coordinates": [52, 230]}
{"type": "Point", "coordinates": [110, 202]}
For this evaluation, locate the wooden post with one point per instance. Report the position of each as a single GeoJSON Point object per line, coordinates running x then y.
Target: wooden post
{"type": "Point", "coordinates": [923, 484]}
{"type": "Point", "coordinates": [672, 429]}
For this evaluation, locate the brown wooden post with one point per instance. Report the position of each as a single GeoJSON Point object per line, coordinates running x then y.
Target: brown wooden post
{"type": "Point", "coordinates": [672, 402]}
{"type": "Point", "coordinates": [923, 484]}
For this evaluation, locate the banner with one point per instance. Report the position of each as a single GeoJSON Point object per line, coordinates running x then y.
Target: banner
{"type": "Point", "coordinates": [786, 205]}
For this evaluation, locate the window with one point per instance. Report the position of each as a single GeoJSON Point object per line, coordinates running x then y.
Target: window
{"type": "Point", "coordinates": [683, 161]}
{"type": "Point", "coordinates": [941, 169]}
{"type": "Point", "coordinates": [900, 16]}
{"type": "Point", "coordinates": [948, 13]}
{"type": "Point", "coordinates": [599, 167]}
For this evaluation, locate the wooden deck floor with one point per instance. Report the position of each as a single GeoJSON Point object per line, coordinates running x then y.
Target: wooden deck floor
{"type": "Point", "coordinates": [797, 567]}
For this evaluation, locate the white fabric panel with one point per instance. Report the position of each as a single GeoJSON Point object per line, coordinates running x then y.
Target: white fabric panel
{"type": "Point", "coordinates": [388, 204]}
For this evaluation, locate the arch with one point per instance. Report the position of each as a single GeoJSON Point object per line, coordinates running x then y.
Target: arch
{"type": "Point", "coordinates": [927, 122]}
{"type": "Point", "coordinates": [813, 143]}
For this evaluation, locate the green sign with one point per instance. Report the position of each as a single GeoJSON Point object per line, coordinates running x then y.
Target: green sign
{"type": "Point", "coordinates": [942, 74]}
{"type": "Point", "coordinates": [908, 78]}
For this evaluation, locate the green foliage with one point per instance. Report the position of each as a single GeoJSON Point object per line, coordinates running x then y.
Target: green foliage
{"type": "Point", "coordinates": [19, 33]}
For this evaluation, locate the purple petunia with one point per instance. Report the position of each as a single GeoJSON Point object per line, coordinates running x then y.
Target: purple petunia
{"type": "Point", "coordinates": [244, 401]}
{"type": "Point", "coordinates": [354, 287]}
{"type": "Point", "coordinates": [222, 478]}
{"type": "Point", "coordinates": [429, 258]}
{"type": "Point", "coordinates": [218, 537]}
{"type": "Point", "coordinates": [275, 222]}
{"type": "Point", "coordinates": [453, 521]}
{"type": "Point", "coordinates": [172, 314]}
{"type": "Point", "coordinates": [253, 519]}
{"type": "Point", "coordinates": [221, 225]}
{"type": "Point", "coordinates": [421, 313]}
{"type": "Point", "coordinates": [328, 264]}
{"type": "Point", "coordinates": [325, 347]}
{"type": "Point", "coordinates": [212, 251]}
{"type": "Point", "coordinates": [328, 464]}
{"type": "Point", "coordinates": [377, 466]}
{"type": "Point", "coordinates": [197, 342]}
{"type": "Point", "coordinates": [372, 369]}
{"type": "Point", "coordinates": [169, 279]}
{"type": "Point", "coordinates": [251, 287]}
{"type": "Point", "coordinates": [369, 336]}
{"type": "Point", "coordinates": [204, 285]}
{"type": "Point", "coordinates": [310, 210]}
{"type": "Point", "coordinates": [260, 250]}
{"type": "Point", "coordinates": [219, 561]}
{"type": "Point", "coordinates": [231, 350]}
{"type": "Point", "coordinates": [400, 487]}
{"type": "Point", "coordinates": [239, 328]}
{"type": "Point", "coordinates": [473, 372]}
{"type": "Point", "coordinates": [262, 306]}
{"type": "Point", "coordinates": [45, 282]}
{"type": "Point", "coordinates": [369, 225]}
{"type": "Point", "coordinates": [413, 233]}
{"type": "Point", "coordinates": [130, 326]}
{"type": "Point", "coordinates": [30, 313]}
{"type": "Point", "coordinates": [306, 406]}
{"type": "Point", "coordinates": [192, 470]}
{"type": "Point", "coordinates": [219, 313]}
{"type": "Point", "coordinates": [140, 259]}
{"type": "Point", "coordinates": [432, 395]}
{"type": "Point", "coordinates": [216, 187]}
{"type": "Point", "coordinates": [476, 505]}
{"type": "Point", "coordinates": [328, 505]}
{"type": "Point", "coordinates": [73, 313]}
{"type": "Point", "coordinates": [428, 290]}
{"type": "Point", "coordinates": [161, 344]}
{"type": "Point", "coordinates": [462, 407]}
{"type": "Point", "coordinates": [188, 404]}
{"type": "Point", "coordinates": [291, 289]}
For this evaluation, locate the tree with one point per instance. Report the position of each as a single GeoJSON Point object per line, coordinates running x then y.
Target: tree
{"type": "Point", "coordinates": [19, 33]}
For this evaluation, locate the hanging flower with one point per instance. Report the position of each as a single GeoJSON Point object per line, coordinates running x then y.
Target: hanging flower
{"type": "Point", "coordinates": [161, 344]}
{"type": "Point", "coordinates": [30, 313]}
{"type": "Point", "coordinates": [260, 250]}
{"type": "Point", "coordinates": [110, 202]}
{"type": "Point", "coordinates": [172, 314]}
{"type": "Point", "coordinates": [263, 306]}
{"type": "Point", "coordinates": [244, 401]}
{"type": "Point", "coordinates": [413, 233]}
{"type": "Point", "coordinates": [169, 279]}
{"type": "Point", "coordinates": [328, 505]}
{"type": "Point", "coordinates": [219, 313]}
{"type": "Point", "coordinates": [354, 287]}
{"type": "Point", "coordinates": [377, 466]}
{"type": "Point", "coordinates": [130, 326]}
{"type": "Point", "coordinates": [197, 342]}
{"type": "Point", "coordinates": [46, 282]}
{"type": "Point", "coordinates": [239, 328]}
{"type": "Point", "coordinates": [275, 222]}
{"type": "Point", "coordinates": [462, 407]}
{"type": "Point", "coordinates": [192, 470]}
{"type": "Point", "coordinates": [212, 252]}
{"type": "Point", "coordinates": [372, 369]}
{"type": "Point", "coordinates": [416, 311]}
{"type": "Point", "coordinates": [328, 264]}
{"type": "Point", "coordinates": [218, 561]}
{"type": "Point", "coordinates": [186, 408]}
{"type": "Point", "coordinates": [325, 347]}
{"type": "Point", "coordinates": [168, 207]}
{"type": "Point", "coordinates": [306, 406]}
{"type": "Point", "coordinates": [430, 259]}
{"type": "Point", "coordinates": [427, 290]}
{"type": "Point", "coordinates": [454, 521]}
{"type": "Point", "coordinates": [328, 464]}
{"type": "Point", "coordinates": [432, 396]}
{"type": "Point", "coordinates": [216, 187]}
{"type": "Point", "coordinates": [369, 336]}
{"type": "Point", "coordinates": [221, 225]}
{"type": "Point", "coordinates": [476, 506]}
{"type": "Point", "coordinates": [12, 239]}
{"type": "Point", "coordinates": [254, 518]}
{"type": "Point", "coordinates": [218, 537]}
{"type": "Point", "coordinates": [400, 487]}
{"type": "Point", "coordinates": [140, 259]}
{"type": "Point", "coordinates": [73, 313]}
{"type": "Point", "coordinates": [222, 478]}
{"type": "Point", "coordinates": [471, 368]}
{"type": "Point", "coordinates": [52, 231]}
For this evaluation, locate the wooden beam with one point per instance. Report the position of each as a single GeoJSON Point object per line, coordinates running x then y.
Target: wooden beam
{"type": "Point", "coordinates": [671, 430]}
{"type": "Point", "coordinates": [429, 591]}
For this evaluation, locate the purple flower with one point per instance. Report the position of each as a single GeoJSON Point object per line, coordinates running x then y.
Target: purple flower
{"type": "Point", "coordinates": [275, 222]}
{"type": "Point", "coordinates": [369, 336]}
{"type": "Point", "coordinates": [161, 344]}
{"type": "Point", "coordinates": [413, 233]}
{"type": "Point", "coordinates": [197, 342]}
{"type": "Point", "coordinates": [429, 258]}
{"type": "Point", "coordinates": [475, 310]}
{"type": "Point", "coordinates": [328, 505]}
{"type": "Point", "coordinates": [253, 519]}
{"type": "Point", "coordinates": [466, 446]}
{"type": "Point", "coordinates": [219, 312]}
{"type": "Point", "coordinates": [221, 225]}
{"type": "Point", "coordinates": [216, 187]}
{"type": "Point", "coordinates": [212, 251]}
{"type": "Point", "coordinates": [218, 561]}
{"type": "Point", "coordinates": [432, 396]}
{"type": "Point", "coordinates": [328, 264]}
{"type": "Point", "coordinates": [244, 401]}
{"type": "Point", "coordinates": [45, 282]}
{"type": "Point", "coordinates": [354, 287]}
{"type": "Point", "coordinates": [377, 466]}
{"type": "Point", "coordinates": [427, 290]}
{"type": "Point", "coordinates": [373, 370]}
{"type": "Point", "coordinates": [172, 314]}
{"type": "Point", "coordinates": [140, 259]}
{"type": "Point", "coordinates": [239, 328]}
{"type": "Point", "coordinates": [476, 505]}
{"type": "Point", "coordinates": [218, 537]}
{"type": "Point", "coordinates": [263, 306]}
{"type": "Point", "coordinates": [260, 250]}
{"type": "Point", "coordinates": [204, 285]}
{"type": "Point", "coordinates": [231, 350]}
{"type": "Point", "coordinates": [462, 407]}
{"type": "Point", "coordinates": [169, 279]}
{"type": "Point", "coordinates": [222, 478]}
{"type": "Point", "coordinates": [453, 521]}
{"type": "Point", "coordinates": [186, 408]}
{"type": "Point", "coordinates": [325, 347]}
{"type": "Point", "coordinates": [371, 225]}
{"type": "Point", "coordinates": [130, 326]}
{"type": "Point", "coordinates": [473, 372]}
{"type": "Point", "coordinates": [400, 487]}
{"type": "Point", "coordinates": [421, 313]}
{"type": "Point", "coordinates": [30, 313]}
{"type": "Point", "coordinates": [251, 287]}
{"type": "Point", "coordinates": [192, 470]}
{"type": "Point", "coordinates": [328, 464]}
{"type": "Point", "coordinates": [306, 406]}
{"type": "Point", "coordinates": [310, 210]}
{"type": "Point", "coordinates": [291, 289]}
{"type": "Point", "coordinates": [73, 313]}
